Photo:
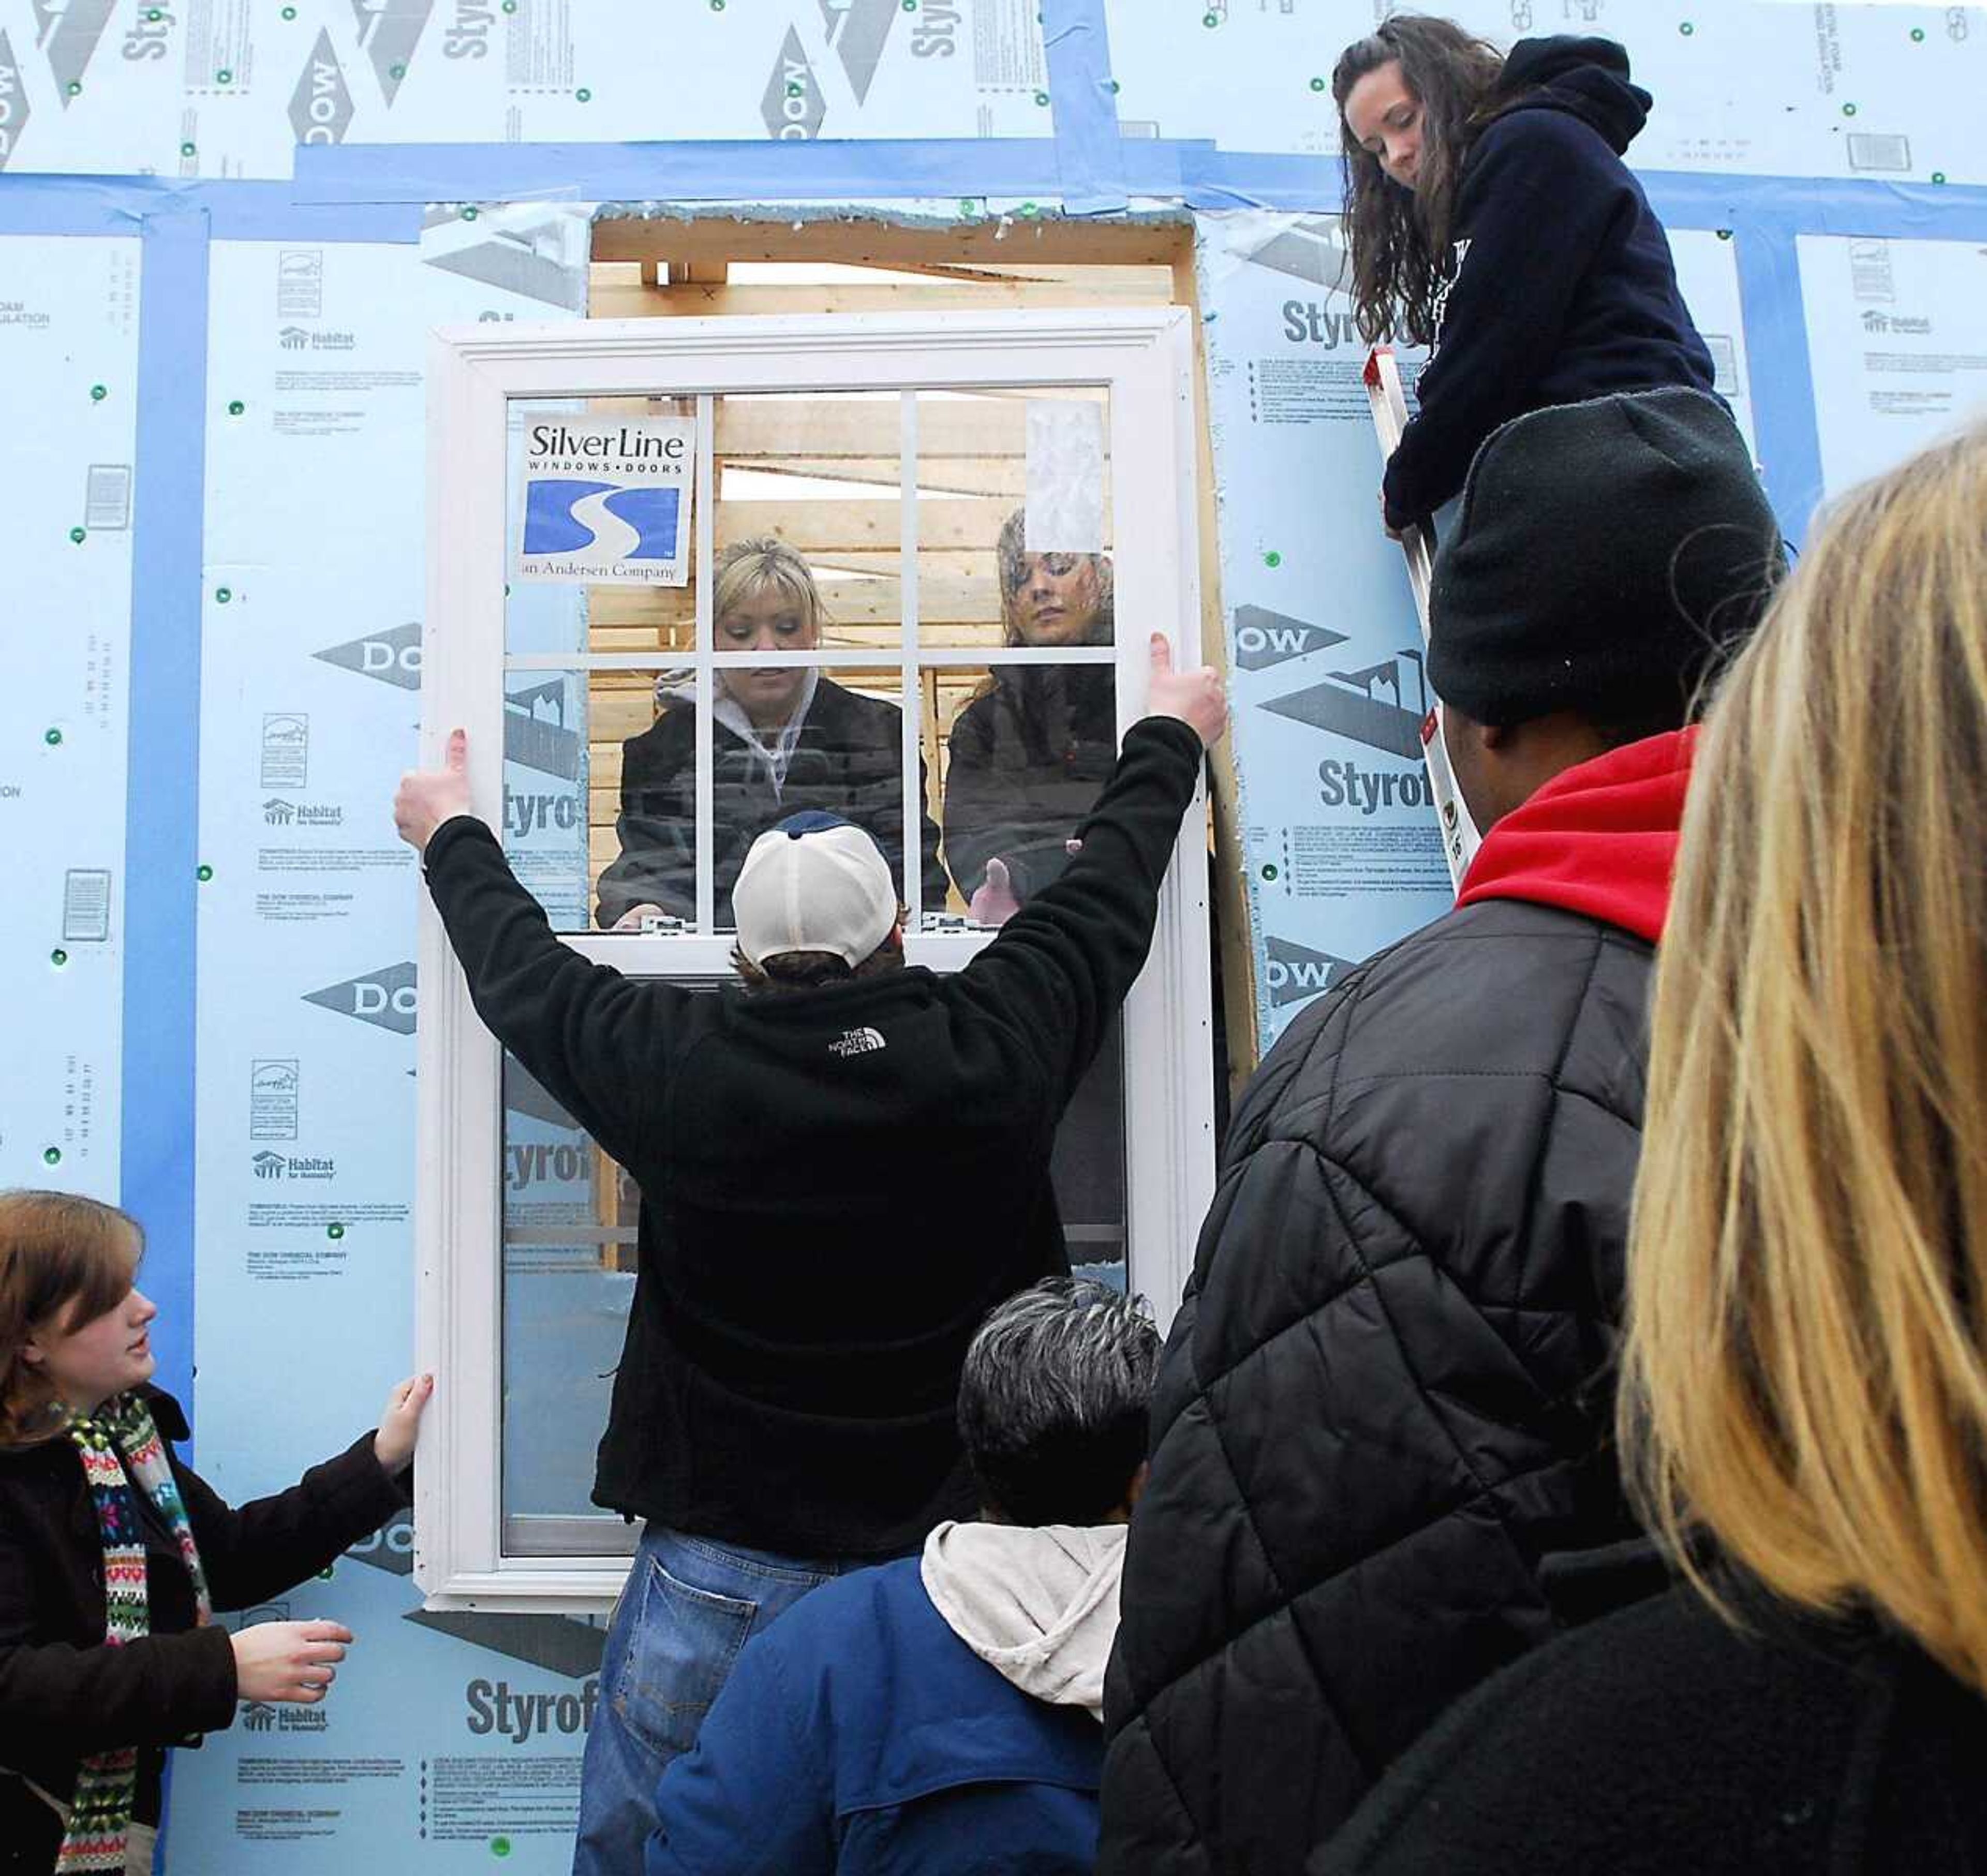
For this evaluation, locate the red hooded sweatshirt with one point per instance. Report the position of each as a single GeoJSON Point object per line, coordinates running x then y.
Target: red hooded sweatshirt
{"type": "Point", "coordinates": [1599, 838]}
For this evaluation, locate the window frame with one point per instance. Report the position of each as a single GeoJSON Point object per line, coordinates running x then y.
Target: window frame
{"type": "Point", "coordinates": [1144, 357]}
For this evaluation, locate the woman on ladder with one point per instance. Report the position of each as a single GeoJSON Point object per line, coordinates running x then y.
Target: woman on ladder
{"type": "Point", "coordinates": [1489, 215]}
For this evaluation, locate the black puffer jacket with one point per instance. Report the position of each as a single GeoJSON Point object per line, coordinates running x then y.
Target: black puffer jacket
{"type": "Point", "coordinates": [1029, 756]}
{"type": "Point", "coordinates": [1384, 1405]}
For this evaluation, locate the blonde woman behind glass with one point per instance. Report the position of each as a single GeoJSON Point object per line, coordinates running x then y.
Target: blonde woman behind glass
{"type": "Point", "coordinates": [1804, 1402]}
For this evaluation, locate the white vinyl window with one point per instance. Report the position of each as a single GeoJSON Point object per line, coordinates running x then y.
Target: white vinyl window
{"type": "Point", "coordinates": [628, 738]}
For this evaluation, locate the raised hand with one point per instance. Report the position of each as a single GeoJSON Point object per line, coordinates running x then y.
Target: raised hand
{"type": "Point", "coordinates": [427, 797]}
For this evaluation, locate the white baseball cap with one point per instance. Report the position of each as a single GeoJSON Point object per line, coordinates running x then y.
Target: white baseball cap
{"type": "Point", "coordinates": [813, 882]}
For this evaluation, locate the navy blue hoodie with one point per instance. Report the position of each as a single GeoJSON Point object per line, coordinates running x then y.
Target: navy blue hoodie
{"type": "Point", "coordinates": [1562, 287]}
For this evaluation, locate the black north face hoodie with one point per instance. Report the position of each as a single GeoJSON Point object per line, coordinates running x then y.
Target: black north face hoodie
{"type": "Point", "coordinates": [1562, 287]}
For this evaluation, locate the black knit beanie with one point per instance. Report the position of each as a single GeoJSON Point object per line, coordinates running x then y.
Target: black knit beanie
{"type": "Point", "coordinates": [1605, 556]}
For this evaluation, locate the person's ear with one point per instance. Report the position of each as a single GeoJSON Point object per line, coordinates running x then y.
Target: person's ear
{"type": "Point", "coordinates": [1496, 736]}
{"type": "Point", "coordinates": [30, 1352]}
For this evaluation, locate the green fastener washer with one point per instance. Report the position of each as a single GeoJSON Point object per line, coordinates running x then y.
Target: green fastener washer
{"type": "Point", "coordinates": [75, 87]}
{"type": "Point", "coordinates": [1272, 559]}
{"type": "Point", "coordinates": [235, 406]}
{"type": "Point", "coordinates": [222, 595]}
{"type": "Point", "coordinates": [52, 1155]}
{"type": "Point", "coordinates": [1269, 871]}
{"type": "Point", "coordinates": [1042, 97]}
{"type": "Point", "coordinates": [51, 738]}
{"type": "Point", "coordinates": [1686, 29]}
{"type": "Point", "coordinates": [98, 392]}
{"type": "Point", "coordinates": [223, 78]}
{"type": "Point", "coordinates": [289, 13]}
{"type": "Point", "coordinates": [334, 1231]}
{"type": "Point", "coordinates": [203, 872]}
{"type": "Point", "coordinates": [500, 1846]}
{"type": "Point", "coordinates": [1317, 84]}
{"type": "Point", "coordinates": [396, 71]}
{"type": "Point", "coordinates": [78, 535]}
{"type": "Point", "coordinates": [58, 957]}
{"type": "Point", "coordinates": [187, 150]}
{"type": "Point", "coordinates": [584, 96]}
{"type": "Point", "coordinates": [470, 213]}
{"type": "Point", "coordinates": [1849, 111]}
{"type": "Point", "coordinates": [1210, 19]}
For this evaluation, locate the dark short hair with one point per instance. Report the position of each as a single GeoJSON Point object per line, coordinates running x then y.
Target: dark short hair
{"type": "Point", "coordinates": [1053, 1402]}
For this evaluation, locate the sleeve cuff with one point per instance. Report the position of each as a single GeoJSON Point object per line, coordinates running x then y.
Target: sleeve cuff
{"type": "Point", "coordinates": [445, 837]}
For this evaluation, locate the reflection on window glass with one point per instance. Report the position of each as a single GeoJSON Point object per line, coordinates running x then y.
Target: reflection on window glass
{"type": "Point", "coordinates": [1027, 748]}
{"type": "Point", "coordinates": [569, 1216]}
{"type": "Point", "coordinates": [1002, 475]}
{"type": "Point", "coordinates": [1087, 1167]}
{"type": "Point", "coordinates": [546, 715]}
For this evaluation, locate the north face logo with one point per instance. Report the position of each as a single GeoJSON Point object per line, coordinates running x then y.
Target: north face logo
{"type": "Point", "coordinates": [387, 997]}
{"type": "Point", "coordinates": [792, 107]}
{"type": "Point", "coordinates": [388, 32]}
{"type": "Point", "coordinates": [864, 1041]}
{"type": "Point", "coordinates": [321, 105]}
{"type": "Point", "coordinates": [394, 656]}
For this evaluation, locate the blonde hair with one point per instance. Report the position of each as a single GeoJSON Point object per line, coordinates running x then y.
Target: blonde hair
{"type": "Point", "coordinates": [1804, 1377]}
{"type": "Point", "coordinates": [64, 1260]}
{"type": "Point", "coordinates": [747, 568]}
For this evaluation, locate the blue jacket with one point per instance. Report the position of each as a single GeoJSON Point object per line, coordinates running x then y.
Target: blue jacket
{"type": "Point", "coordinates": [859, 1735]}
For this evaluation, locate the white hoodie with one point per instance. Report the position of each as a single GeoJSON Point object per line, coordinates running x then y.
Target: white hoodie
{"type": "Point", "coordinates": [1037, 1603]}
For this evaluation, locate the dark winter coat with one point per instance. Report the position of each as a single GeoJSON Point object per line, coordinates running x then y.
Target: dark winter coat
{"type": "Point", "coordinates": [65, 1693]}
{"type": "Point", "coordinates": [1660, 1741]}
{"type": "Point", "coordinates": [860, 1736]}
{"type": "Point", "coordinates": [848, 760]}
{"type": "Point", "coordinates": [1383, 1407]}
{"type": "Point", "coordinates": [1026, 757]}
{"type": "Point", "coordinates": [837, 1185]}
{"type": "Point", "coordinates": [1564, 288]}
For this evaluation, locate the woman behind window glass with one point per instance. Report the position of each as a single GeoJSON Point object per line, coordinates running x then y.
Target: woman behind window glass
{"type": "Point", "coordinates": [1031, 752]}
{"type": "Point", "coordinates": [784, 738]}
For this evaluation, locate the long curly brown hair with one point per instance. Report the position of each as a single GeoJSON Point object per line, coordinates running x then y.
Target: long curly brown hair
{"type": "Point", "coordinates": [1398, 237]}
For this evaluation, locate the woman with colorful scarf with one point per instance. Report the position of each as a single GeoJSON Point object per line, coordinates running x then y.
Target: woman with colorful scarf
{"type": "Point", "coordinates": [113, 1556]}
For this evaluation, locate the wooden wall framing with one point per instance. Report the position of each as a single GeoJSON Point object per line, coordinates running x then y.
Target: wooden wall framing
{"type": "Point", "coordinates": [969, 452]}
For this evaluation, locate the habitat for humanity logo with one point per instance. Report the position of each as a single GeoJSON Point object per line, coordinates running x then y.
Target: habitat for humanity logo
{"type": "Point", "coordinates": [792, 107]}
{"type": "Point", "coordinates": [268, 1165]}
{"type": "Point", "coordinates": [388, 32]}
{"type": "Point", "coordinates": [280, 813]}
{"type": "Point", "coordinates": [68, 31]}
{"type": "Point", "coordinates": [13, 101]}
{"type": "Point", "coordinates": [392, 657]}
{"type": "Point", "coordinates": [385, 997]}
{"type": "Point", "coordinates": [321, 105]}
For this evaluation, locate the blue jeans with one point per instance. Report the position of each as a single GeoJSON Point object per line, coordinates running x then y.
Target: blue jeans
{"type": "Point", "coordinates": [688, 1607]}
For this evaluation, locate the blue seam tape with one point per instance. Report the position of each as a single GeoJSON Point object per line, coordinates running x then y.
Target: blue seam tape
{"type": "Point", "coordinates": [1819, 205]}
{"type": "Point", "coordinates": [824, 170]}
{"type": "Point", "coordinates": [1089, 153]}
{"type": "Point", "coordinates": [237, 210]}
{"type": "Point", "coordinates": [161, 826]}
{"type": "Point", "coordinates": [1784, 417]}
